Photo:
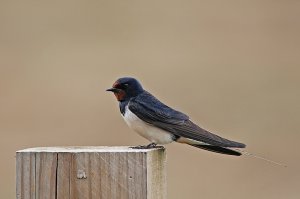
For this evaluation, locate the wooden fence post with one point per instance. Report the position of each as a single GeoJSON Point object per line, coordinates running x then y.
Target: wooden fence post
{"type": "Point", "coordinates": [91, 173]}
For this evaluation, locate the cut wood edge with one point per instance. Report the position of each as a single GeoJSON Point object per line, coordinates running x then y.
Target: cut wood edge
{"type": "Point", "coordinates": [80, 149]}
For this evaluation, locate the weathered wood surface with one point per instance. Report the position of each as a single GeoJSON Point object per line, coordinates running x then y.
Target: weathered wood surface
{"type": "Point", "coordinates": [91, 173]}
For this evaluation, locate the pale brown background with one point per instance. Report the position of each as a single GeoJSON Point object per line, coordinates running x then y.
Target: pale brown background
{"type": "Point", "coordinates": [233, 66]}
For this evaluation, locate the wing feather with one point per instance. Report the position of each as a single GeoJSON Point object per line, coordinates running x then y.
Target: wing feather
{"type": "Point", "coordinates": [151, 110]}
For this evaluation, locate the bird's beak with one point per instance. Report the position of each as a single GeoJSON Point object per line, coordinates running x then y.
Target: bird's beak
{"type": "Point", "coordinates": [114, 90]}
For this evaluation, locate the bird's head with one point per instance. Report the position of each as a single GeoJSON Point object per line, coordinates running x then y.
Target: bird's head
{"type": "Point", "coordinates": [125, 88]}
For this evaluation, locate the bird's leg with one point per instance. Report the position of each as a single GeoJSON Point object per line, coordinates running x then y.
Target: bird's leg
{"type": "Point", "coordinates": [149, 146]}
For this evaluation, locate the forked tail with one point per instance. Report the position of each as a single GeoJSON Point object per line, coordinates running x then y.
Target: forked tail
{"type": "Point", "coordinates": [217, 149]}
{"type": "Point", "coordinates": [235, 152]}
{"type": "Point", "coordinates": [243, 152]}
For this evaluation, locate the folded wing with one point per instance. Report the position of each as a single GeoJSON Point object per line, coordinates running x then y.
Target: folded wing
{"type": "Point", "coordinates": [160, 115]}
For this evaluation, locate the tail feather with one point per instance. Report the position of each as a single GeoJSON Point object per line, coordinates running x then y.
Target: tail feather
{"type": "Point", "coordinates": [235, 152]}
{"type": "Point", "coordinates": [217, 149]}
{"type": "Point", "coordinates": [243, 152]}
{"type": "Point", "coordinates": [228, 151]}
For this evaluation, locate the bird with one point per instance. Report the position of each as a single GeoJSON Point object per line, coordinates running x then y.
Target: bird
{"type": "Point", "coordinates": [161, 124]}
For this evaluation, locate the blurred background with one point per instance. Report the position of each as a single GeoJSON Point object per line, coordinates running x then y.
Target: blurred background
{"type": "Point", "coordinates": [233, 66]}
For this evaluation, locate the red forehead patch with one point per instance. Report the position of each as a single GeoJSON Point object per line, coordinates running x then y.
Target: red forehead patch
{"type": "Point", "coordinates": [116, 84]}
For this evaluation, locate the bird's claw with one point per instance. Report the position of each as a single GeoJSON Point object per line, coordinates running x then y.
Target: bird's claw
{"type": "Point", "coordinates": [149, 146]}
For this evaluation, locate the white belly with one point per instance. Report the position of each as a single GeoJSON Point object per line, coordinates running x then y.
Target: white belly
{"type": "Point", "coordinates": [151, 133]}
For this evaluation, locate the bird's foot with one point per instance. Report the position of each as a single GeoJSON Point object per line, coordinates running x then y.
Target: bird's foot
{"type": "Point", "coordinates": [149, 146]}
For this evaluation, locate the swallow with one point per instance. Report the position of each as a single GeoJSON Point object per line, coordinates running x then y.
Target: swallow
{"type": "Point", "coordinates": [161, 124]}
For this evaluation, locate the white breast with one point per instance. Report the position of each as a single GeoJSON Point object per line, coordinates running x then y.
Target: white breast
{"type": "Point", "coordinates": [151, 133]}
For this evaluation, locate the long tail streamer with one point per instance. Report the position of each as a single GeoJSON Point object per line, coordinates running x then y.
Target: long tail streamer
{"type": "Point", "coordinates": [260, 157]}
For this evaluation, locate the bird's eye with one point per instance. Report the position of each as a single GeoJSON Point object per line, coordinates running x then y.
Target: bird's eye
{"type": "Point", "coordinates": [126, 85]}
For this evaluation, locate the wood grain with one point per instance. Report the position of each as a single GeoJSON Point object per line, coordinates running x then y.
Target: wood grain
{"type": "Point", "coordinates": [91, 173]}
